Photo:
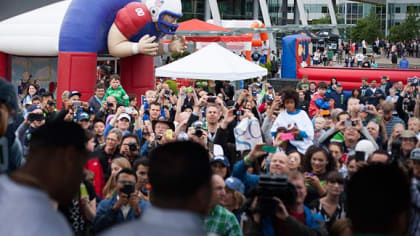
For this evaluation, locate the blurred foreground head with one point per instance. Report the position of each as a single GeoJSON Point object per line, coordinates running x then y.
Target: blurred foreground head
{"type": "Point", "coordinates": [378, 200]}
{"type": "Point", "coordinates": [57, 154]}
{"type": "Point", "coordinates": [180, 176]}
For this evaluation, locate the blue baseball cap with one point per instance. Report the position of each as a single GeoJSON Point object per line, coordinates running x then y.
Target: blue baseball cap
{"type": "Point", "coordinates": [33, 108]}
{"type": "Point", "coordinates": [83, 116]}
{"type": "Point", "coordinates": [73, 93]}
{"type": "Point", "coordinates": [221, 159]}
{"type": "Point", "coordinates": [235, 184]}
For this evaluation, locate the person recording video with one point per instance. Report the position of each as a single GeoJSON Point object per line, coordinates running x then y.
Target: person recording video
{"type": "Point", "coordinates": [277, 208]}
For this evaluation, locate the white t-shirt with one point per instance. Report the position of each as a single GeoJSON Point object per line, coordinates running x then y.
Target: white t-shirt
{"type": "Point", "coordinates": [28, 211]}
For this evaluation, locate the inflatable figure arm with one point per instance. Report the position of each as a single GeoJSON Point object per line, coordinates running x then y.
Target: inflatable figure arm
{"type": "Point", "coordinates": [128, 21]}
{"type": "Point", "coordinates": [177, 45]}
{"type": "Point", "coordinates": [120, 46]}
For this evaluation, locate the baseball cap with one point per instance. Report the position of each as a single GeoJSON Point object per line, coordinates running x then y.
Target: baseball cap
{"type": "Point", "coordinates": [83, 116]}
{"type": "Point", "coordinates": [365, 146]}
{"type": "Point", "coordinates": [339, 85]}
{"type": "Point", "coordinates": [415, 154]}
{"type": "Point", "coordinates": [124, 115]}
{"type": "Point", "coordinates": [221, 159]}
{"type": "Point", "coordinates": [235, 184]}
{"type": "Point", "coordinates": [33, 108]}
{"type": "Point", "coordinates": [8, 94]}
{"type": "Point", "coordinates": [73, 93]}
{"type": "Point", "coordinates": [408, 134]}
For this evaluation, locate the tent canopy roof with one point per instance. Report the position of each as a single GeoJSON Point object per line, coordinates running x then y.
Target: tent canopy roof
{"type": "Point", "coordinates": [212, 62]}
{"type": "Point", "coordinates": [198, 25]}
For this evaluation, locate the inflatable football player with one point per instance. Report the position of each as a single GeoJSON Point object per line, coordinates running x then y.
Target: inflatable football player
{"type": "Point", "coordinates": [138, 27]}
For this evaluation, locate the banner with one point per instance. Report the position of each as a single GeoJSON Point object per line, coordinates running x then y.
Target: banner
{"type": "Point", "coordinates": [247, 134]}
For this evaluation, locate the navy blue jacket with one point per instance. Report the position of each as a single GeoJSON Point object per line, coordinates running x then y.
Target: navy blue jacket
{"type": "Point", "coordinates": [106, 217]}
{"type": "Point", "coordinates": [340, 100]}
{"type": "Point", "coordinates": [374, 100]}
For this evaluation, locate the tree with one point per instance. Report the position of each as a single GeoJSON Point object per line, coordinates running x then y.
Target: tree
{"type": "Point", "coordinates": [408, 29]}
{"type": "Point", "coordinates": [368, 28]}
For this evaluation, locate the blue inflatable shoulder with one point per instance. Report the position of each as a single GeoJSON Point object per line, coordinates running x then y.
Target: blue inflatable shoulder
{"type": "Point", "coordinates": [86, 25]}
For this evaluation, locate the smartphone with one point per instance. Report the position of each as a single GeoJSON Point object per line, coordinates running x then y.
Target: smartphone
{"type": "Point", "coordinates": [77, 104]}
{"type": "Point", "coordinates": [347, 123]}
{"type": "Point", "coordinates": [169, 133]}
{"type": "Point", "coordinates": [360, 156]}
{"type": "Point", "coordinates": [143, 100]}
{"type": "Point", "coordinates": [287, 136]}
{"type": "Point", "coordinates": [83, 191]}
{"type": "Point", "coordinates": [128, 110]}
{"type": "Point", "coordinates": [269, 149]}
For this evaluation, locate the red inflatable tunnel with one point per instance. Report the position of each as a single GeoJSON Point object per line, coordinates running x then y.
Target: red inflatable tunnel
{"type": "Point", "coordinates": [351, 77]}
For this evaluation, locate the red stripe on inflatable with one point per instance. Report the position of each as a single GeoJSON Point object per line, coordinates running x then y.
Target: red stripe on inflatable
{"type": "Point", "coordinates": [3, 65]}
{"type": "Point", "coordinates": [350, 77]}
{"type": "Point", "coordinates": [76, 71]}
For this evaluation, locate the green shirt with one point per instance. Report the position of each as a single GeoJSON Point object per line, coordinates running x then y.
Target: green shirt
{"type": "Point", "coordinates": [330, 54]}
{"type": "Point", "coordinates": [222, 222]}
{"type": "Point", "coordinates": [338, 137]}
{"type": "Point", "coordinates": [303, 85]}
{"type": "Point", "coordinates": [119, 94]}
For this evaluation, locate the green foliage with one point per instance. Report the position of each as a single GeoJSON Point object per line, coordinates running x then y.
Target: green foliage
{"type": "Point", "coordinates": [368, 28]}
{"type": "Point", "coordinates": [267, 65]}
{"type": "Point", "coordinates": [177, 56]}
{"type": "Point", "coordinates": [172, 85]}
{"type": "Point", "coordinates": [408, 29]}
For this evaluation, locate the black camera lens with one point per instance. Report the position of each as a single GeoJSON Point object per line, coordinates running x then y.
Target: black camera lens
{"type": "Point", "coordinates": [109, 104]}
{"type": "Point", "coordinates": [198, 132]}
{"type": "Point", "coordinates": [132, 147]}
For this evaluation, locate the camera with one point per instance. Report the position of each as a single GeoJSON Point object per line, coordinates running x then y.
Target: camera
{"type": "Point", "coordinates": [109, 104]}
{"type": "Point", "coordinates": [211, 99]}
{"type": "Point", "coordinates": [270, 186]}
{"type": "Point", "coordinates": [158, 137]}
{"type": "Point", "coordinates": [198, 132]}
{"type": "Point", "coordinates": [51, 103]}
{"type": "Point", "coordinates": [35, 117]}
{"type": "Point", "coordinates": [270, 98]}
{"type": "Point", "coordinates": [132, 147]}
{"type": "Point", "coordinates": [363, 107]}
{"type": "Point", "coordinates": [239, 112]}
{"type": "Point", "coordinates": [167, 94]}
{"type": "Point", "coordinates": [128, 188]}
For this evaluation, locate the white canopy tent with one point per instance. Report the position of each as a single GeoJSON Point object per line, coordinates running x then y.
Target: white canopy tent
{"type": "Point", "coordinates": [212, 62]}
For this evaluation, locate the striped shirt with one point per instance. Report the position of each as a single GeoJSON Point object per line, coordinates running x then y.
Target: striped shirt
{"type": "Point", "coordinates": [391, 124]}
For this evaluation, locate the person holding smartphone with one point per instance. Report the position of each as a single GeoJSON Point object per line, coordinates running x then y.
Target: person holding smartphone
{"type": "Point", "coordinates": [296, 122]}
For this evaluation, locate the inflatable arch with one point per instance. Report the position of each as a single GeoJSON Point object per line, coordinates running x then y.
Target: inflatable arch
{"type": "Point", "coordinates": [77, 31]}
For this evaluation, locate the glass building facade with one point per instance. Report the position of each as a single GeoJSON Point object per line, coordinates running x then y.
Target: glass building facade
{"type": "Point", "coordinates": [348, 12]}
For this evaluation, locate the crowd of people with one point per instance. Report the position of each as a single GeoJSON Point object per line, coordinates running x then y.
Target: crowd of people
{"type": "Point", "coordinates": [355, 54]}
{"type": "Point", "coordinates": [321, 162]}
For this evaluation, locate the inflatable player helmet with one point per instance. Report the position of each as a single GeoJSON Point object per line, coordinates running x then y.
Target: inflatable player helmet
{"type": "Point", "coordinates": [158, 8]}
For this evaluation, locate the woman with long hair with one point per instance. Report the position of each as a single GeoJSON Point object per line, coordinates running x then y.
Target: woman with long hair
{"type": "Point", "coordinates": [116, 166]}
{"type": "Point", "coordinates": [318, 163]}
{"type": "Point", "coordinates": [355, 93]}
